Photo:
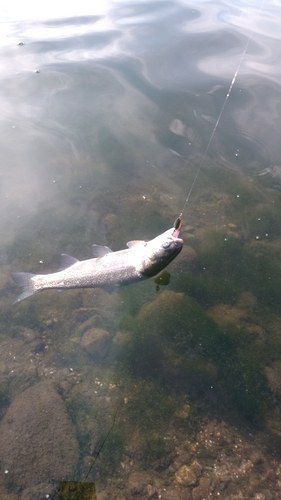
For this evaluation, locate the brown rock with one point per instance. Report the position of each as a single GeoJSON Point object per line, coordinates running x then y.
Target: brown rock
{"type": "Point", "coordinates": [171, 494]}
{"type": "Point", "coordinates": [196, 467]}
{"type": "Point", "coordinates": [28, 334]}
{"type": "Point", "coordinates": [122, 338]}
{"type": "Point", "coordinates": [138, 483]}
{"type": "Point", "coordinates": [203, 490]}
{"type": "Point", "coordinates": [96, 342]}
{"type": "Point", "coordinates": [225, 314]}
{"type": "Point", "coordinates": [101, 301]}
{"type": "Point", "coordinates": [162, 306]}
{"type": "Point", "coordinates": [182, 459]}
{"type": "Point", "coordinates": [119, 341]}
{"type": "Point", "coordinates": [37, 438]}
{"type": "Point", "coordinates": [92, 322]}
{"type": "Point", "coordinates": [185, 476]}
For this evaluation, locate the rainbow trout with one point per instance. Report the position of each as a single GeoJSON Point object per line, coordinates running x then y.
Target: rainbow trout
{"type": "Point", "coordinates": [108, 269]}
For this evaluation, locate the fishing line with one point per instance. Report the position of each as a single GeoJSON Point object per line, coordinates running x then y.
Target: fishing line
{"type": "Point", "coordinates": [221, 112]}
{"type": "Point", "coordinates": [103, 441]}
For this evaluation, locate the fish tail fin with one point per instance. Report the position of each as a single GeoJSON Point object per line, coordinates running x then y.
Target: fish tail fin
{"type": "Point", "coordinates": [26, 283]}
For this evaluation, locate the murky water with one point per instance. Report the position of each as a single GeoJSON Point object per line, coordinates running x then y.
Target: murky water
{"type": "Point", "coordinates": [169, 388]}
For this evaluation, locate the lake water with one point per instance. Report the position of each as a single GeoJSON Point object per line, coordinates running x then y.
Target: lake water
{"type": "Point", "coordinates": [110, 115]}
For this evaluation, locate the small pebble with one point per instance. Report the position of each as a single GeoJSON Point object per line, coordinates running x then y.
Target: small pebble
{"type": "Point", "coordinates": [259, 496]}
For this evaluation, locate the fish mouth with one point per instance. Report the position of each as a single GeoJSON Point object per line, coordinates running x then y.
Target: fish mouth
{"type": "Point", "coordinates": [179, 241]}
{"type": "Point", "coordinates": [175, 233]}
{"type": "Point", "coordinates": [175, 236]}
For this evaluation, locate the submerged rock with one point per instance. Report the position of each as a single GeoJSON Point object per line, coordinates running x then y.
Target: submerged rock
{"type": "Point", "coordinates": [224, 314]}
{"type": "Point", "coordinates": [185, 476]}
{"type": "Point", "coordinates": [37, 438]}
{"type": "Point", "coordinates": [203, 490]}
{"type": "Point", "coordinates": [165, 305]}
{"type": "Point", "coordinates": [139, 483]}
{"type": "Point", "coordinates": [96, 342]}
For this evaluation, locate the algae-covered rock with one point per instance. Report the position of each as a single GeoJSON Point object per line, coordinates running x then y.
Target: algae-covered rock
{"type": "Point", "coordinates": [100, 309]}
{"type": "Point", "coordinates": [96, 342]}
{"type": "Point", "coordinates": [239, 316]}
{"type": "Point", "coordinates": [224, 314]}
{"type": "Point", "coordinates": [164, 305]}
{"type": "Point", "coordinates": [171, 327]}
{"type": "Point", "coordinates": [185, 476]}
{"type": "Point", "coordinates": [73, 490]}
{"type": "Point", "coordinates": [37, 438]}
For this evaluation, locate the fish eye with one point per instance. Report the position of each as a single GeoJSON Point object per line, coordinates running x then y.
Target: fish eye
{"type": "Point", "coordinates": [166, 245]}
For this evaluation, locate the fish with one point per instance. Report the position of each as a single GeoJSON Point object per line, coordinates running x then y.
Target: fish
{"type": "Point", "coordinates": [108, 270]}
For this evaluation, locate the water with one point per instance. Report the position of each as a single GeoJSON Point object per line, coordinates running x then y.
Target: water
{"type": "Point", "coordinates": [106, 114]}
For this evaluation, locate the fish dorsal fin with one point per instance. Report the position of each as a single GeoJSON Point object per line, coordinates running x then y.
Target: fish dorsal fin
{"type": "Point", "coordinates": [100, 251]}
{"type": "Point", "coordinates": [135, 243]}
{"type": "Point", "coordinates": [67, 261]}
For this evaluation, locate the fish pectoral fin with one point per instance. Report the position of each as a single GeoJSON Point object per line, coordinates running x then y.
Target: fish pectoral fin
{"type": "Point", "coordinates": [67, 261]}
{"type": "Point", "coordinates": [100, 250]}
{"type": "Point", "coordinates": [135, 243]}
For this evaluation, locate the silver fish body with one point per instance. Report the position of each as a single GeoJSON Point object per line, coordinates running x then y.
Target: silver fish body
{"type": "Point", "coordinates": [108, 270]}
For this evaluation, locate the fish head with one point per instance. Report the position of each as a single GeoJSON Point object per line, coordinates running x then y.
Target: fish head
{"type": "Point", "coordinates": [160, 251]}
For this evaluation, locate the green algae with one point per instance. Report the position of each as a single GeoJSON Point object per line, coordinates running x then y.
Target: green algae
{"type": "Point", "coordinates": [172, 329]}
{"type": "Point", "coordinates": [150, 405]}
{"type": "Point", "coordinates": [156, 452]}
{"type": "Point", "coordinates": [72, 490]}
{"type": "Point", "coordinates": [147, 416]}
{"type": "Point", "coordinates": [230, 266]}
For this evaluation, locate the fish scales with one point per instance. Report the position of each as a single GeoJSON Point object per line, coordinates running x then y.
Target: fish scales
{"type": "Point", "coordinates": [113, 269]}
{"type": "Point", "coordinates": [108, 270]}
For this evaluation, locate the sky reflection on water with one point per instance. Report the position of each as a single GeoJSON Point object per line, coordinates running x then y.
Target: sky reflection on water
{"type": "Point", "coordinates": [132, 70]}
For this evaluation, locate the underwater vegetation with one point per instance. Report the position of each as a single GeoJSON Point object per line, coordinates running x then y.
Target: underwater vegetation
{"type": "Point", "coordinates": [174, 341]}
{"type": "Point", "coordinates": [229, 267]}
